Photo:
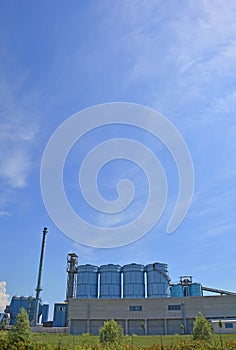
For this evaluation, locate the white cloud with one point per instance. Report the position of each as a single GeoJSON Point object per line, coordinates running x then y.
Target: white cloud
{"type": "Point", "coordinates": [18, 128]}
{"type": "Point", "coordinates": [3, 296]}
{"type": "Point", "coordinates": [15, 166]}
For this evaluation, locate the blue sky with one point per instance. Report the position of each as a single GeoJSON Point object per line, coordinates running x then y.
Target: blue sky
{"type": "Point", "coordinates": [176, 57]}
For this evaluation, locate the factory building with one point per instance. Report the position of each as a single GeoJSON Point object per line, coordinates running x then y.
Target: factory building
{"type": "Point", "coordinates": [140, 298]}
{"type": "Point", "coordinates": [158, 315]}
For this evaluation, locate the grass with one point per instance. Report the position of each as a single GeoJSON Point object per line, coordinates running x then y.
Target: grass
{"type": "Point", "coordinates": [70, 342]}
{"type": "Point", "coordinates": [65, 339]}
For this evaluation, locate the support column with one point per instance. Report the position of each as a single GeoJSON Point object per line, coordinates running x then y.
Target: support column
{"type": "Point", "coordinates": [126, 326]}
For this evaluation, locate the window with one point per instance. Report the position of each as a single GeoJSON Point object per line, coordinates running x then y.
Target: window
{"type": "Point", "coordinates": [136, 308]}
{"type": "Point", "coordinates": [174, 307]}
{"type": "Point", "coordinates": [229, 325]}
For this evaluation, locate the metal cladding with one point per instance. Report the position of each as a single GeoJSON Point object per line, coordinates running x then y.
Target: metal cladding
{"type": "Point", "coordinates": [133, 281]}
{"type": "Point", "coordinates": [130, 281]}
{"type": "Point", "coordinates": [195, 290]}
{"type": "Point", "coordinates": [177, 291]}
{"type": "Point", "coordinates": [28, 303]}
{"type": "Point", "coordinates": [45, 312]}
{"type": "Point", "coordinates": [60, 315]}
{"type": "Point", "coordinates": [110, 281]}
{"type": "Point", "coordinates": [157, 280]}
{"type": "Point", "coordinates": [87, 281]}
{"type": "Point", "coordinates": [188, 290]}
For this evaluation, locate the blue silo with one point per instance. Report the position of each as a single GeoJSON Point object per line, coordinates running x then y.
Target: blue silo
{"type": "Point", "coordinates": [110, 281]}
{"type": "Point", "coordinates": [195, 290]}
{"type": "Point", "coordinates": [87, 281]}
{"type": "Point", "coordinates": [177, 291]}
{"type": "Point", "coordinates": [157, 280]}
{"type": "Point", "coordinates": [133, 281]}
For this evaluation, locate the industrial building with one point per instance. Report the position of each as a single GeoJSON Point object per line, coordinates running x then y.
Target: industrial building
{"type": "Point", "coordinates": [140, 298]}
{"type": "Point", "coordinates": [158, 315]}
{"type": "Point", "coordinates": [29, 304]}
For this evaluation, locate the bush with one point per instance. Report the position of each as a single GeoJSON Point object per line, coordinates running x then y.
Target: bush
{"type": "Point", "coordinates": [111, 332]}
{"type": "Point", "coordinates": [202, 329]}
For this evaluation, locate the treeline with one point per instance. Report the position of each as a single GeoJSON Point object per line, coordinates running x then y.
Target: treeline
{"type": "Point", "coordinates": [20, 337]}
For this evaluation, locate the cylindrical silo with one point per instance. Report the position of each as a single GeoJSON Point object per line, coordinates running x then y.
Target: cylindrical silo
{"type": "Point", "coordinates": [110, 281]}
{"type": "Point", "coordinates": [177, 291]}
{"type": "Point", "coordinates": [87, 281]}
{"type": "Point", "coordinates": [195, 290]}
{"type": "Point", "coordinates": [157, 280]}
{"type": "Point", "coordinates": [133, 281]}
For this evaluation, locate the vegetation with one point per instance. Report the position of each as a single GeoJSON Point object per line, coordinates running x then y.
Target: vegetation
{"type": "Point", "coordinates": [88, 342]}
{"type": "Point", "coordinates": [202, 329]}
{"type": "Point", "coordinates": [46, 341]}
{"type": "Point", "coordinates": [21, 331]}
{"type": "Point", "coordinates": [111, 332]}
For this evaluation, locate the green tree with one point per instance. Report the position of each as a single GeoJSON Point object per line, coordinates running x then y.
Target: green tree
{"type": "Point", "coordinates": [111, 332]}
{"type": "Point", "coordinates": [182, 328]}
{"type": "Point", "coordinates": [3, 324]}
{"type": "Point", "coordinates": [21, 331]}
{"type": "Point", "coordinates": [202, 329]}
{"type": "Point", "coordinates": [143, 327]}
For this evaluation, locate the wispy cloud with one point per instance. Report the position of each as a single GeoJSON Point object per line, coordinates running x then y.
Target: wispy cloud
{"type": "Point", "coordinates": [18, 128]}
{"type": "Point", "coordinates": [183, 54]}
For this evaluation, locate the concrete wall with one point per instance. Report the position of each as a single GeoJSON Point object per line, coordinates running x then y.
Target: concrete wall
{"type": "Point", "coordinates": [228, 326]}
{"type": "Point", "coordinates": [160, 316]}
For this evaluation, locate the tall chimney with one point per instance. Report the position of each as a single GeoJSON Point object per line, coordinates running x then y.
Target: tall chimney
{"type": "Point", "coordinates": [39, 287]}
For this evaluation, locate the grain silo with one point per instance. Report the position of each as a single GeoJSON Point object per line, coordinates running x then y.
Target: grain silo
{"type": "Point", "coordinates": [87, 281]}
{"type": "Point", "coordinates": [110, 281]}
{"type": "Point", "coordinates": [157, 280]}
{"type": "Point", "coordinates": [133, 281]}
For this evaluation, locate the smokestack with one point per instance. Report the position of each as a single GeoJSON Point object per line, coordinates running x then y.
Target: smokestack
{"type": "Point", "coordinates": [39, 287]}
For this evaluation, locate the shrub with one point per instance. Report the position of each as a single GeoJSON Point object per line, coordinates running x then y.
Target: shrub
{"type": "Point", "coordinates": [202, 329]}
{"type": "Point", "coordinates": [111, 332]}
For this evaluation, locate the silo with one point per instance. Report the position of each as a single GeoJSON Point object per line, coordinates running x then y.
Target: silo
{"type": "Point", "coordinates": [87, 281]}
{"type": "Point", "coordinates": [110, 281]}
{"type": "Point", "coordinates": [157, 280]}
{"type": "Point", "coordinates": [177, 291]}
{"type": "Point", "coordinates": [195, 290]}
{"type": "Point", "coordinates": [133, 281]}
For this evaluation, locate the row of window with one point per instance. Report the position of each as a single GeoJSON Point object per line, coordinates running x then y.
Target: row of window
{"type": "Point", "coordinates": [140, 308]}
{"type": "Point", "coordinates": [174, 307]}
{"type": "Point", "coordinates": [135, 308]}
